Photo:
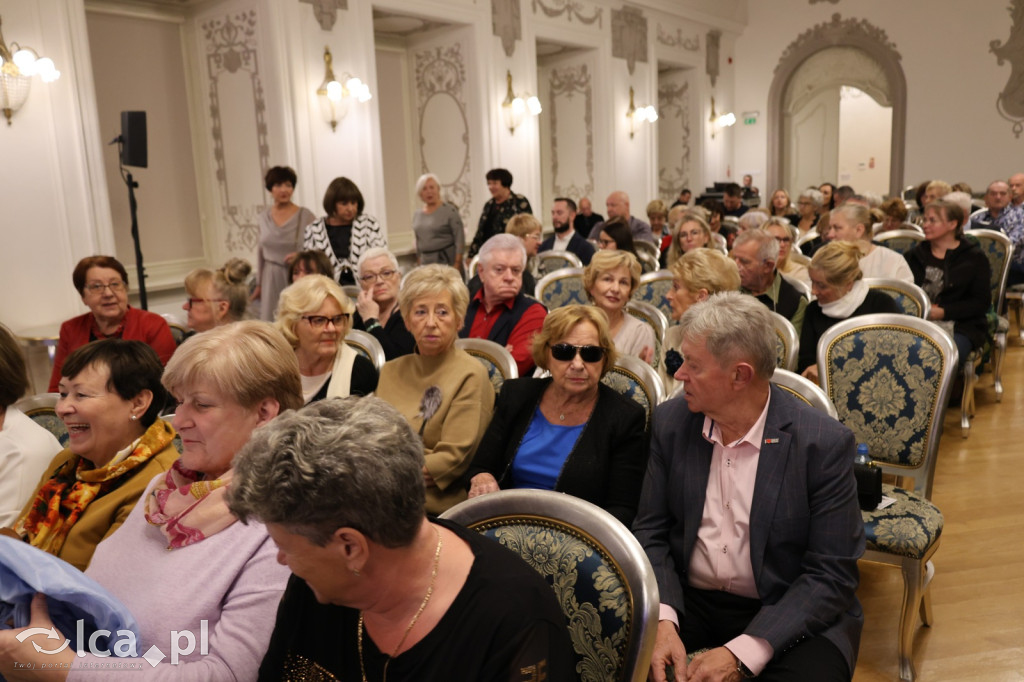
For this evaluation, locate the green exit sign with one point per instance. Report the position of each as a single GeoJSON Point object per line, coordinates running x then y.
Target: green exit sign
{"type": "Point", "coordinates": [750, 117]}
{"type": "Point", "coordinates": [750, 121]}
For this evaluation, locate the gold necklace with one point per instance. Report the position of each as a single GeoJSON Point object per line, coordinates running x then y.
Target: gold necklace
{"type": "Point", "coordinates": [408, 629]}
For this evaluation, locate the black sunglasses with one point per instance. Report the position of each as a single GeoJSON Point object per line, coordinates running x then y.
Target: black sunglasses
{"type": "Point", "coordinates": [566, 352]}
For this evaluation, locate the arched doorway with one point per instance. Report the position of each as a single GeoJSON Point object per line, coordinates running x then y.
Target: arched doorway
{"type": "Point", "coordinates": [840, 52]}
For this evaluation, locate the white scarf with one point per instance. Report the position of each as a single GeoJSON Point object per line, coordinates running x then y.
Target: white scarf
{"type": "Point", "coordinates": [844, 306]}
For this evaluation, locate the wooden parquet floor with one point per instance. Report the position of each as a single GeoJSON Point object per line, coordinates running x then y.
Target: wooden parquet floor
{"type": "Point", "coordinates": [978, 589]}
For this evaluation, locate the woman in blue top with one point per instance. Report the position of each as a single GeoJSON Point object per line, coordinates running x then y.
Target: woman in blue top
{"type": "Point", "coordinates": [569, 432]}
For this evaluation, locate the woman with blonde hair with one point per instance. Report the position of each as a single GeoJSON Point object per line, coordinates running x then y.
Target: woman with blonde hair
{"type": "Point", "coordinates": [851, 223]}
{"type": "Point", "coordinates": [695, 276]}
{"type": "Point", "coordinates": [314, 315]}
{"type": "Point", "coordinates": [216, 297]}
{"type": "Point", "coordinates": [568, 432]}
{"type": "Point", "coordinates": [781, 206]}
{"type": "Point", "coordinates": [838, 285]}
{"type": "Point", "coordinates": [657, 215]}
{"type": "Point", "coordinates": [694, 233]}
{"type": "Point", "coordinates": [440, 389]}
{"type": "Point", "coordinates": [610, 280]}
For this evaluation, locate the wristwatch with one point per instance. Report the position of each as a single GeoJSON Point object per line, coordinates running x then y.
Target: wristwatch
{"type": "Point", "coordinates": [743, 670]}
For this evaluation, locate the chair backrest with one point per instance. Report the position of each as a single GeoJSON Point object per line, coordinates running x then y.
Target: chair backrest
{"type": "Point", "coordinates": [808, 236]}
{"type": "Point", "coordinates": [648, 254]}
{"type": "Point", "coordinates": [549, 261]}
{"type": "Point", "coordinates": [804, 389]}
{"type": "Point", "coordinates": [176, 442]}
{"type": "Point", "coordinates": [653, 318]}
{"type": "Point", "coordinates": [719, 242]}
{"type": "Point", "coordinates": [352, 291]}
{"type": "Point", "coordinates": [599, 572]}
{"type": "Point", "coordinates": [562, 287]}
{"type": "Point", "coordinates": [178, 330]}
{"type": "Point", "coordinates": [366, 345]}
{"type": "Point", "coordinates": [910, 297]}
{"type": "Point", "coordinates": [42, 409]}
{"type": "Point", "coordinates": [800, 286]}
{"type": "Point", "coordinates": [655, 288]}
{"type": "Point", "coordinates": [998, 248]}
{"type": "Point", "coordinates": [471, 268]}
{"type": "Point", "coordinates": [900, 241]}
{"type": "Point", "coordinates": [787, 343]}
{"type": "Point", "coordinates": [495, 358]}
{"type": "Point", "coordinates": [635, 379]}
{"type": "Point", "coordinates": [890, 377]}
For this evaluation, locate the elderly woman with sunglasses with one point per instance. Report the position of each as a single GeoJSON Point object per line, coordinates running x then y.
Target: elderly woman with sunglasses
{"type": "Point", "coordinates": [568, 432]}
{"type": "Point", "coordinates": [377, 310]}
{"type": "Point", "coordinates": [314, 314]}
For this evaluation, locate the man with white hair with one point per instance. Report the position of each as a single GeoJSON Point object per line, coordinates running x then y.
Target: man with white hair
{"type": "Point", "coordinates": [997, 211]}
{"type": "Point", "coordinates": [749, 514]}
{"type": "Point", "coordinates": [756, 252]}
{"type": "Point", "coordinates": [499, 311]}
{"type": "Point", "coordinates": [617, 206]}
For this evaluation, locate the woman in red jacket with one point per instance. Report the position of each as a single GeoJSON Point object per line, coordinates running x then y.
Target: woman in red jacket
{"type": "Point", "coordinates": [102, 282]}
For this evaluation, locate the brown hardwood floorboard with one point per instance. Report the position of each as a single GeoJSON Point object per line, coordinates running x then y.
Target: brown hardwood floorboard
{"type": "Point", "coordinates": [978, 589]}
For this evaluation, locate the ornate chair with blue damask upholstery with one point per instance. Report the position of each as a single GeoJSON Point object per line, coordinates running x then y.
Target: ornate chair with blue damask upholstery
{"type": "Point", "coordinates": [635, 379]}
{"type": "Point", "coordinates": [495, 358]}
{"type": "Point", "coordinates": [900, 241]}
{"type": "Point", "coordinates": [653, 318]}
{"type": "Point", "coordinates": [889, 377]}
{"type": "Point", "coordinates": [787, 343]}
{"type": "Point", "coordinates": [648, 254]}
{"type": "Point", "coordinates": [549, 261]}
{"type": "Point", "coordinates": [804, 389]}
{"type": "Point", "coordinates": [910, 297]}
{"type": "Point", "coordinates": [599, 572]}
{"type": "Point", "coordinates": [655, 288]}
{"type": "Point", "coordinates": [367, 345]}
{"type": "Point", "coordinates": [562, 287]}
{"type": "Point", "coordinates": [42, 409]}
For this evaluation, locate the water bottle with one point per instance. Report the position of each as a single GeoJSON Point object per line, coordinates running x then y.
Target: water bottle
{"type": "Point", "coordinates": [862, 454]}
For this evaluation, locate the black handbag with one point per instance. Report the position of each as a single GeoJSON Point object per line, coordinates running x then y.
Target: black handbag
{"type": "Point", "coordinates": [869, 485]}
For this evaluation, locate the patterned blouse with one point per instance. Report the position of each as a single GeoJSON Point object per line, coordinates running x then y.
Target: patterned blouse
{"type": "Point", "coordinates": [487, 228]}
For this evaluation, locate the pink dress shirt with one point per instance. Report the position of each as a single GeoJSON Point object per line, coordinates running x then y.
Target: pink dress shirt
{"type": "Point", "coordinates": [721, 556]}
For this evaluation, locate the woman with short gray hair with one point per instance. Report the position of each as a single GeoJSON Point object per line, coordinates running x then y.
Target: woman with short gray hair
{"type": "Point", "coordinates": [437, 226]}
{"type": "Point", "coordinates": [377, 309]}
{"type": "Point", "coordinates": [377, 587]}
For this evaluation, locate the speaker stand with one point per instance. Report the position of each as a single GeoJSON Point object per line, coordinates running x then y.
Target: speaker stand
{"type": "Point", "coordinates": [139, 268]}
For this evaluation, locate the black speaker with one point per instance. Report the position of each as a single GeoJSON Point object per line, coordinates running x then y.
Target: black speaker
{"type": "Point", "coordinates": [133, 138]}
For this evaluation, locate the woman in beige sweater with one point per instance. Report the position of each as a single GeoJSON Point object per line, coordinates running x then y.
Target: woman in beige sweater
{"type": "Point", "coordinates": [443, 392]}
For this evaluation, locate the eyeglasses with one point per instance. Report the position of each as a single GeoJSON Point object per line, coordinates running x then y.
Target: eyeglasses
{"type": "Point", "coordinates": [189, 302]}
{"type": "Point", "coordinates": [606, 242]}
{"type": "Point", "coordinates": [320, 321]}
{"type": "Point", "coordinates": [97, 288]}
{"type": "Point", "coordinates": [382, 275]}
{"type": "Point", "coordinates": [691, 233]}
{"type": "Point", "coordinates": [783, 240]}
{"type": "Point", "coordinates": [566, 352]}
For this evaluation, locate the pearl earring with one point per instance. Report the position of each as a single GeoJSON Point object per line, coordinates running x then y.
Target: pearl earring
{"type": "Point", "coordinates": [134, 418]}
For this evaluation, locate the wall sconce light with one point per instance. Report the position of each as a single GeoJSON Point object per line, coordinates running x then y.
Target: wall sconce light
{"type": "Point", "coordinates": [17, 66]}
{"type": "Point", "coordinates": [724, 121]}
{"type": "Point", "coordinates": [334, 97]}
{"type": "Point", "coordinates": [636, 114]}
{"type": "Point", "coordinates": [514, 106]}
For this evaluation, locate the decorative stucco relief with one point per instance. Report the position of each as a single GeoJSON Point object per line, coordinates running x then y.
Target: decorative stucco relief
{"type": "Point", "coordinates": [713, 39]}
{"type": "Point", "coordinates": [231, 48]}
{"type": "Point", "coordinates": [677, 40]}
{"type": "Point", "coordinates": [443, 123]}
{"type": "Point", "coordinates": [570, 8]}
{"type": "Point", "coordinates": [839, 31]}
{"type": "Point", "coordinates": [674, 138]}
{"type": "Point", "coordinates": [326, 11]}
{"type": "Point", "coordinates": [566, 84]}
{"type": "Point", "coordinates": [506, 23]}
{"type": "Point", "coordinates": [1010, 102]}
{"type": "Point", "coordinates": [629, 36]}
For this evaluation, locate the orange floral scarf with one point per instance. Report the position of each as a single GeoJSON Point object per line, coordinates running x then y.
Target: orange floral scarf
{"type": "Point", "coordinates": [188, 508]}
{"type": "Point", "coordinates": [62, 500]}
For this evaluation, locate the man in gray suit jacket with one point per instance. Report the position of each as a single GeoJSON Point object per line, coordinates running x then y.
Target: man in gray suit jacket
{"type": "Point", "coordinates": [749, 514]}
